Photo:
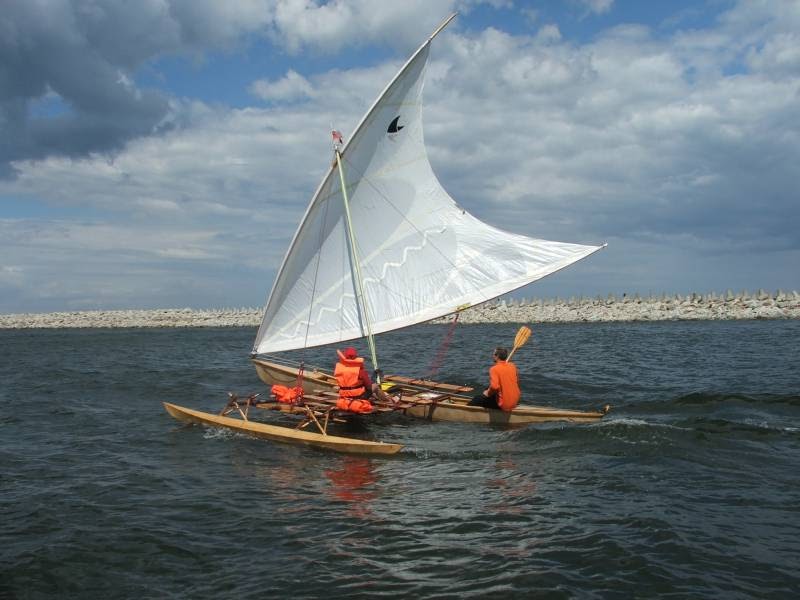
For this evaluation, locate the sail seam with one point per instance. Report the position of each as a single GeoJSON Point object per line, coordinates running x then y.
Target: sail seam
{"type": "Point", "coordinates": [491, 292]}
{"type": "Point", "coordinates": [372, 280]}
{"type": "Point", "coordinates": [424, 234]}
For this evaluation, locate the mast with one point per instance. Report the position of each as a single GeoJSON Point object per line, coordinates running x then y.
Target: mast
{"type": "Point", "coordinates": [361, 299]}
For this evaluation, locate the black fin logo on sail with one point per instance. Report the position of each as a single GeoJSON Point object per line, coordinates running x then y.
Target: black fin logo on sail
{"type": "Point", "coordinates": [393, 126]}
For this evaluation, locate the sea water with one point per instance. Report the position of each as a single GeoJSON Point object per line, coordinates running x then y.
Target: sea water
{"type": "Point", "coordinates": [690, 487]}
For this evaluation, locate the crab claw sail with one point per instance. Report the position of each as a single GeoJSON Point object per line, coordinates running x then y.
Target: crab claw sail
{"type": "Point", "coordinates": [421, 256]}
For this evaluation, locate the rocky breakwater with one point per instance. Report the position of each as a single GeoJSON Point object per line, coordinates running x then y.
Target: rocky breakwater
{"type": "Point", "coordinates": [174, 317]}
{"type": "Point", "coordinates": [694, 307]}
{"type": "Point", "coordinates": [761, 305]}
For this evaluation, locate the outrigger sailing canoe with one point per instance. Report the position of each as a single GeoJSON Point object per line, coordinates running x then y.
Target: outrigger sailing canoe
{"type": "Point", "coordinates": [382, 246]}
{"type": "Point", "coordinates": [425, 399]}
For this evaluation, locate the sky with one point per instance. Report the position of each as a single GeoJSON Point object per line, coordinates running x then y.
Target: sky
{"type": "Point", "coordinates": [160, 153]}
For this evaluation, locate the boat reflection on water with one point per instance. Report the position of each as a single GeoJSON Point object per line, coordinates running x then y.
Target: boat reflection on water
{"type": "Point", "coordinates": [287, 488]}
{"type": "Point", "coordinates": [517, 490]}
{"type": "Point", "coordinates": [352, 481]}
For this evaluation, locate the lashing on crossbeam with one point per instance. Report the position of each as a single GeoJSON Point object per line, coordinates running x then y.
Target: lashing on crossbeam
{"type": "Point", "coordinates": [234, 403]}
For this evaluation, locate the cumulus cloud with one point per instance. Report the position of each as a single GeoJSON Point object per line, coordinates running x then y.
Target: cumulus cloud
{"type": "Point", "coordinates": [105, 263]}
{"type": "Point", "coordinates": [780, 56]}
{"type": "Point", "coordinates": [85, 56]}
{"type": "Point", "coordinates": [339, 23]}
{"type": "Point", "coordinates": [292, 86]}
{"type": "Point", "coordinates": [597, 6]}
{"type": "Point", "coordinates": [630, 131]}
{"type": "Point", "coordinates": [677, 148]}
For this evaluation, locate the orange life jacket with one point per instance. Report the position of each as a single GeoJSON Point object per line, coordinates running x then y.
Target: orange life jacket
{"type": "Point", "coordinates": [346, 373]}
{"type": "Point", "coordinates": [286, 395]}
{"type": "Point", "coordinates": [357, 405]}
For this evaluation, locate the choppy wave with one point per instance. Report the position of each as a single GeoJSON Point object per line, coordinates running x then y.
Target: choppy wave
{"type": "Point", "coordinates": [687, 488]}
{"type": "Point", "coordinates": [700, 398]}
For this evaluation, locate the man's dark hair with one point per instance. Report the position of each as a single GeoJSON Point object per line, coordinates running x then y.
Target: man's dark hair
{"type": "Point", "coordinates": [501, 353]}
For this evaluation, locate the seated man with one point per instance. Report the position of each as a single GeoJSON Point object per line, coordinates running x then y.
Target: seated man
{"type": "Point", "coordinates": [503, 391]}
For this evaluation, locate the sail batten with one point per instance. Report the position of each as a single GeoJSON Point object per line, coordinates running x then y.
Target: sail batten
{"type": "Point", "coordinates": [421, 256]}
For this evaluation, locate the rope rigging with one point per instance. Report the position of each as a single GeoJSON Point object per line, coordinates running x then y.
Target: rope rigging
{"type": "Point", "coordinates": [443, 347]}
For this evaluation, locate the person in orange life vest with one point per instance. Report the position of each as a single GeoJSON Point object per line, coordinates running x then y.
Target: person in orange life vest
{"type": "Point", "coordinates": [503, 391]}
{"type": "Point", "coordinates": [371, 390]}
{"type": "Point", "coordinates": [355, 385]}
{"type": "Point", "coordinates": [350, 358]}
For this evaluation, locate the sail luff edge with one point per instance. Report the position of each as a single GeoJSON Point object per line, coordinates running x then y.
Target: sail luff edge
{"type": "Point", "coordinates": [331, 168]}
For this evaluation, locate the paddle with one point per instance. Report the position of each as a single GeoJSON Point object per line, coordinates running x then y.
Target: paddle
{"type": "Point", "coordinates": [523, 335]}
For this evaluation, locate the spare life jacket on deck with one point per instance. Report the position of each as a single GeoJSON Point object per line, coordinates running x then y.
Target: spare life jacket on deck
{"type": "Point", "coordinates": [356, 405]}
{"type": "Point", "coordinates": [286, 395]}
{"type": "Point", "coordinates": [350, 385]}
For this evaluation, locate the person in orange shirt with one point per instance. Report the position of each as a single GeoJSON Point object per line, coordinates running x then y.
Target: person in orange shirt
{"type": "Point", "coordinates": [503, 391]}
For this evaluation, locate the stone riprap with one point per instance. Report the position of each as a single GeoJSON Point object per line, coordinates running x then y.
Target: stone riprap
{"type": "Point", "coordinates": [729, 306]}
{"type": "Point", "coordinates": [694, 307]}
{"type": "Point", "coordinates": [172, 317]}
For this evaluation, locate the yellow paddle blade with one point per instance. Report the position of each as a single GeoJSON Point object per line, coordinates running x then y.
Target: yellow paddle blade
{"type": "Point", "coordinates": [523, 335]}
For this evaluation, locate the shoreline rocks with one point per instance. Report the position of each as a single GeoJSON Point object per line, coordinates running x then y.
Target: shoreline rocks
{"type": "Point", "coordinates": [693, 307]}
{"type": "Point", "coordinates": [170, 317]}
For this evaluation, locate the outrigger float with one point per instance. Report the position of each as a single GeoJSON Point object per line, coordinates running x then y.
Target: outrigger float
{"type": "Point", "coordinates": [318, 413]}
{"type": "Point", "coordinates": [382, 246]}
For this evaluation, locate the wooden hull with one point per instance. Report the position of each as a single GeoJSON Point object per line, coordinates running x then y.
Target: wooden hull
{"type": "Point", "coordinates": [277, 433]}
{"type": "Point", "coordinates": [452, 409]}
{"type": "Point", "coordinates": [461, 413]}
{"type": "Point", "coordinates": [314, 382]}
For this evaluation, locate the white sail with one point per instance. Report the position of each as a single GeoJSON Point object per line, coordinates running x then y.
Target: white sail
{"type": "Point", "coordinates": [421, 255]}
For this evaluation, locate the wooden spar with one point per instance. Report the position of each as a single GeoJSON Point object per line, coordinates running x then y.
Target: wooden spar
{"type": "Point", "coordinates": [277, 433]}
{"type": "Point", "coordinates": [443, 25]}
{"type": "Point", "coordinates": [234, 403]}
{"type": "Point", "coordinates": [447, 407]}
{"type": "Point", "coordinates": [427, 384]}
{"type": "Point", "coordinates": [356, 264]}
